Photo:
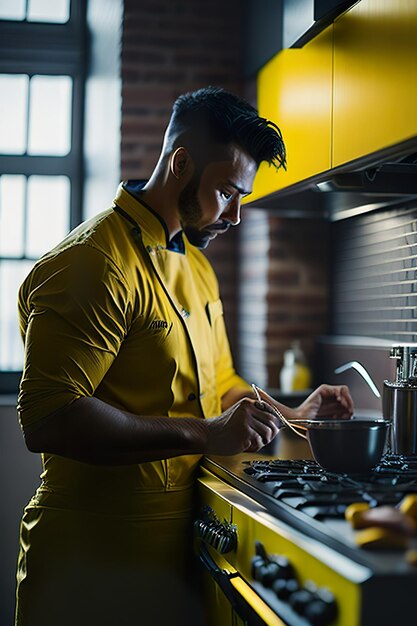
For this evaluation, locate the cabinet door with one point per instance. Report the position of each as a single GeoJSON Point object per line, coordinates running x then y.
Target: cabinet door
{"type": "Point", "coordinates": [375, 77]}
{"type": "Point", "coordinates": [295, 92]}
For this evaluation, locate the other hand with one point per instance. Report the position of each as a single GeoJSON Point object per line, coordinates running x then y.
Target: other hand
{"type": "Point", "coordinates": [327, 401]}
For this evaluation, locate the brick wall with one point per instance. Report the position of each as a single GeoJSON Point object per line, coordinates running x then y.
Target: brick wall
{"type": "Point", "coordinates": [298, 294]}
{"type": "Point", "coordinates": [272, 272]}
{"type": "Point", "coordinates": [283, 291]}
{"type": "Point", "coordinates": [169, 47]}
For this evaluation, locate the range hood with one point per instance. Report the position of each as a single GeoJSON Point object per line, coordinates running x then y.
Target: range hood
{"type": "Point", "coordinates": [304, 19]}
{"type": "Point", "coordinates": [380, 180]}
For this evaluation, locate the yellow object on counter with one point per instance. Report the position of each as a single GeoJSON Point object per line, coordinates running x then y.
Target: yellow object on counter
{"type": "Point", "coordinates": [408, 506]}
{"type": "Point", "coordinates": [376, 537]}
{"type": "Point", "coordinates": [411, 557]}
{"type": "Point", "coordinates": [295, 375]}
{"type": "Point", "coordinates": [354, 512]}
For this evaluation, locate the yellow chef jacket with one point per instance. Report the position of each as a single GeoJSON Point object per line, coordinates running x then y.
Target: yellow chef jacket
{"type": "Point", "coordinates": [118, 312]}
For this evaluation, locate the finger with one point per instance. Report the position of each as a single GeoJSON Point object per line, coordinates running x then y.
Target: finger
{"type": "Point", "coordinates": [257, 407]}
{"type": "Point", "coordinates": [261, 405]}
{"type": "Point", "coordinates": [264, 407]}
{"type": "Point", "coordinates": [345, 394]}
{"type": "Point", "coordinates": [343, 406]}
{"type": "Point", "coordinates": [259, 438]}
{"type": "Point", "coordinates": [267, 416]}
{"type": "Point", "coordinates": [255, 442]}
{"type": "Point", "coordinates": [269, 419]}
{"type": "Point", "coordinates": [340, 393]}
{"type": "Point", "coordinates": [265, 425]}
{"type": "Point", "coordinates": [269, 399]}
{"type": "Point", "coordinates": [332, 410]}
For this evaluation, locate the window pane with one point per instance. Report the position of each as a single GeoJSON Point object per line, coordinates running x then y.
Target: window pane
{"type": "Point", "coordinates": [12, 9]}
{"type": "Point", "coordinates": [50, 115]}
{"type": "Point", "coordinates": [13, 113]}
{"type": "Point", "coordinates": [12, 274]}
{"type": "Point", "coordinates": [48, 213]}
{"type": "Point", "coordinates": [12, 206]}
{"type": "Point", "coordinates": [48, 11]}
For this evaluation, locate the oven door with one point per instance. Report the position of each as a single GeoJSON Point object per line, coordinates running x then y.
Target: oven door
{"type": "Point", "coordinates": [239, 604]}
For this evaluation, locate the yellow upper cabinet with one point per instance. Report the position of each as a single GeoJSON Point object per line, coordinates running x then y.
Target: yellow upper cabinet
{"type": "Point", "coordinates": [295, 92]}
{"type": "Point", "coordinates": [375, 77]}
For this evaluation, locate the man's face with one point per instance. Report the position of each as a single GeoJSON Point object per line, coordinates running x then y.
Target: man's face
{"type": "Point", "coordinates": [210, 203]}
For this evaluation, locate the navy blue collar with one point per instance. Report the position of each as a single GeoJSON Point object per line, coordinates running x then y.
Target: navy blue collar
{"type": "Point", "coordinates": [176, 243]}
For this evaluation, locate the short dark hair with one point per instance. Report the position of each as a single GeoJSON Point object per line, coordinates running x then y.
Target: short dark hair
{"type": "Point", "coordinates": [231, 119]}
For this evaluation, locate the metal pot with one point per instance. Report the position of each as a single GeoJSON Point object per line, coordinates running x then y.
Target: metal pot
{"type": "Point", "coordinates": [347, 446]}
{"type": "Point", "coordinates": [400, 407]}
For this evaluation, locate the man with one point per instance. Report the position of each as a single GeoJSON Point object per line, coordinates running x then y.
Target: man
{"type": "Point", "coordinates": [128, 380]}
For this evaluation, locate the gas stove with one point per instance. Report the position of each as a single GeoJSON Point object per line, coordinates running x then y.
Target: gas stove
{"type": "Point", "coordinates": [290, 516]}
{"type": "Point", "coordinates": [305, 486]}
{"type": "Point", "coordinates": [314, 499]}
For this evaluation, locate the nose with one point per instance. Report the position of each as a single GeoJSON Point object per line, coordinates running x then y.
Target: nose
{"type": "Point", "coordinates": [232, 213]}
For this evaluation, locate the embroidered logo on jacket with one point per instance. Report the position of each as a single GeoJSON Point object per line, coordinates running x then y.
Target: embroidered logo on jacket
{"type": "Point", "coordinates": [161, 325]}
{"type": "Point", "coordinates": [158, 324]}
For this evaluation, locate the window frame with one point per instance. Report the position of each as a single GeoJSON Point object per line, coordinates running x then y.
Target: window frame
{"type": "Point", "coordinates": [48, 49]}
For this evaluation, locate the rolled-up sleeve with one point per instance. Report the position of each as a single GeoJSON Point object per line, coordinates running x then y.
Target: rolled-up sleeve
{"type": "Point", "coordinates": [74, 314]}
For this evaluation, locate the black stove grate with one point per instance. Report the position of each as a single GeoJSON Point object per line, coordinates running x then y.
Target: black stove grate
{"type": "Point", "coordinates": [304, 485]}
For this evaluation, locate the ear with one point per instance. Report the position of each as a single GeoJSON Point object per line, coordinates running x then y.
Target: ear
{"type": "Point", "coordinates": [180, 162]}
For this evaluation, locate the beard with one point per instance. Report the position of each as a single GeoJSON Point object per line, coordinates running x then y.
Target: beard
{"type": "Point", "coordinates": [191, 214]}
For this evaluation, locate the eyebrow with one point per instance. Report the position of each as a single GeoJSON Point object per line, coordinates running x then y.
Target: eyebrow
{"type": "Point", "coordinates": [239, 189]}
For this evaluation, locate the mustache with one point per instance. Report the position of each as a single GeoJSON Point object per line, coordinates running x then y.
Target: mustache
{"type": "Point", "coordinates": [219, 226]}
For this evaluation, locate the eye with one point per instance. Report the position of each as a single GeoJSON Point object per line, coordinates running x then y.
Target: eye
{"type": "Point", "coordinates": [226, 195]}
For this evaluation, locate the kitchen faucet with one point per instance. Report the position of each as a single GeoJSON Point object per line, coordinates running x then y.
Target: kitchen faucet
{"type": "Point", "coordinates": [362, 371]}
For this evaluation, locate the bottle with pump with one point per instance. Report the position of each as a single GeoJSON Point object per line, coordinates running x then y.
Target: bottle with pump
{"type": "Point", "coordinates": [295, 375]}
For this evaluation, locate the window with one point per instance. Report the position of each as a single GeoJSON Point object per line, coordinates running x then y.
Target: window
{"type": "Point", "coordinates": [42, 67]}
{"type": "Point", "coordinates": [35, 114]}
{"type": "Point", "coordinates": [35, 10]}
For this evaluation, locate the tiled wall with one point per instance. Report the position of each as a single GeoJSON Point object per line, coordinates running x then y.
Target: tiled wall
{"type": "Point", "coordinates": [375, 261]}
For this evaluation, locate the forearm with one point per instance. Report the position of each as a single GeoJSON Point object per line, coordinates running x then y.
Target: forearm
{"type": "Point", "coordinates": [92, 431]}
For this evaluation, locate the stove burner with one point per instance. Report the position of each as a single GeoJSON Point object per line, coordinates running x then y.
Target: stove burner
{"type": "Point", "coordinates": [304, 485]}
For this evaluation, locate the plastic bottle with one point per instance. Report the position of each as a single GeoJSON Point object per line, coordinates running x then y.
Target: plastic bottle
{"type": "Point", "coordinates": [295, 375]}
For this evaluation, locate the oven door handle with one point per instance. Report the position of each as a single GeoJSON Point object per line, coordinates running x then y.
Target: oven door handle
{"type": "Point", "coordinates": [244, 600]}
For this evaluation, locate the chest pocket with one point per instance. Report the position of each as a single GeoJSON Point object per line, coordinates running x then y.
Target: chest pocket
{"type": "Point", "coordinates": [214, 310]}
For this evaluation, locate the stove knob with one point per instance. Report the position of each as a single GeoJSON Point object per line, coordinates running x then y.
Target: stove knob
{"type": "Point", "coordinates": [322, 610]}
{"type": "Point", "coordinates": [257, 563]}
{"type": "Point", "coordinates": [268, 573]}
{"type": "Point", "coordinates": [284, 588]}
{"type": "Point", "coordinates": [286, 570]}
{"type": "Point", "coordinates": [300, 600]}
